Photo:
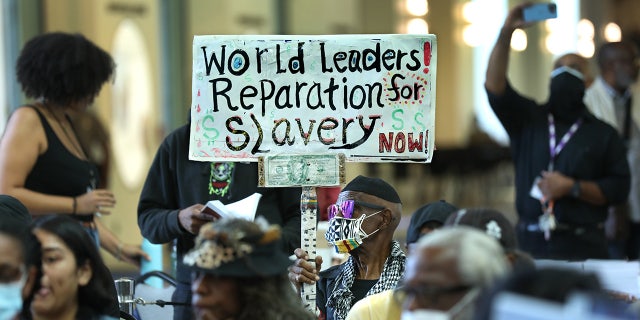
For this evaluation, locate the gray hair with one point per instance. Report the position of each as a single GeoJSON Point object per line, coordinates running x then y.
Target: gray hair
{"type": "Point", "coordinates": [480, 258]}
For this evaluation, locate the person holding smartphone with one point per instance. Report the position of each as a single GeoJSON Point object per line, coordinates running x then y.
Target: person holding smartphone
{"type": "Point", "coordinates": [569, 166]}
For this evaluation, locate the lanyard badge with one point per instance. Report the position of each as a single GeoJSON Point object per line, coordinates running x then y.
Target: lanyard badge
{"type": "Point", "coordinates": [547, 221]}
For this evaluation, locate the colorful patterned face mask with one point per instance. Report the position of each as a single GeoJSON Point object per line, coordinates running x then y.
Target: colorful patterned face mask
{"type": "Point", "coordinates": [345, 233]}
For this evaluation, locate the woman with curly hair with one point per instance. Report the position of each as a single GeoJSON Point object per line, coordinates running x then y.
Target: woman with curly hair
{"type": "Point", "coordinates": [239, 273]}
{"type": "Point", "coordinates": [42, 163]}
{"type": "Point", "coordinates": [74, 282]}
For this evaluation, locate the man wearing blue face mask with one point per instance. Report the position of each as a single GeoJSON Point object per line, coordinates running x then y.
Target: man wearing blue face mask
{"type": "Point", "coordinates": [569, 166]}
{"type": "Point", "coordinates": [362, 223]}
{"type": "Point", "coordinates": [18, 257]}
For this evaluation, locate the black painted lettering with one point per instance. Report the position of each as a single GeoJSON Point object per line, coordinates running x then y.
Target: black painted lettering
{"type": "Point", "coordinates": [264, 97]}
{"type": "Point", "coordinates": [314, 91]}
{"type": "Point", "coordinates": [256, 147]}
{"type": "Point", "coordinates": [367, 130]}
{"type": "Point", "coordinates": [247, 92]}
{"type": "Point", "coordinates": [233, 130]}
{"type": "Point", "coordinates": [208, 62]}
{"type": "Point", "coordinates": [296, 63]}
{"type": "Point", "coordinates": [222, 92]}
{"type": "Point", "coordinates": [287, 130]}
{"type": "Point", "coordinates": [238, 62]}
{"type": "Point", "coordinates": [327, 124]}
{"type": "Point", "coordinates": [394, 87]}
{"type": "Point", "coordinates": [299, 86]}
{"type": "Point", "coordinates": [357, 92]}
{"type": "Point", "coordinates": [305, 134]}
{"type": "Point", "coordinates": [415, 57]}
{"type": "Point", "coordinates": [323, 60]}
{"type": "Point", "coordinates": [354, 61]}
{"type": "Point", "coordinates": [371, 59]}
{"type": "Point", "coordinates": [388, 56]}
{"type": "Point", "coordinates": [259, 58]}
{"type": "Point", "coordinates": [278, 61]}
{"type": "Point", "coordinates": [338, 58]}
{"type": "Point", "coordinates": [282, 98]}
{"type": "Point", "coordinates": [330, 90]}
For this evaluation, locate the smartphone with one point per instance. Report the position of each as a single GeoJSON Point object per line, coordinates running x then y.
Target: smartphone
{"type": "Point", "coordinates": [539, 11]}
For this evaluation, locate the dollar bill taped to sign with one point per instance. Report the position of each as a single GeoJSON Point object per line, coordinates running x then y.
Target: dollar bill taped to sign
{"type": "Point", "coordinates": [301, 170]}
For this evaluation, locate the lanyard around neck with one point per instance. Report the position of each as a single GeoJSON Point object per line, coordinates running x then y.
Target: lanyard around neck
{"type": "Point", "coordinates": [554, 149]}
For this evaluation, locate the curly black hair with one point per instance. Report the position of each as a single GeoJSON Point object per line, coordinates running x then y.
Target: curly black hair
{"type": "Point", "coordinates": [63, 68]}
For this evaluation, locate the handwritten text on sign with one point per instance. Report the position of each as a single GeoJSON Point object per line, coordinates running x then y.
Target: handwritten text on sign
{"type": "Point", "coordinates": [371, 97]}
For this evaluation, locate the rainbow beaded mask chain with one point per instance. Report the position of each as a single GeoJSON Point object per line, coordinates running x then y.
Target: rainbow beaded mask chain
{"type": "Point", "coordinates": [220, 178]}
{"type": "Point", "coordinates": [344, 232]}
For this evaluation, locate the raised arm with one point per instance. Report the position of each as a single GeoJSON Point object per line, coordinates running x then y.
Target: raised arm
{"type": "Point", "coordinates": [496, 77]}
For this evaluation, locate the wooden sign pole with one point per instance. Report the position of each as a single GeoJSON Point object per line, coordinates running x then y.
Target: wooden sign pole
{"type": "Point", "coordinates": [307, 171]}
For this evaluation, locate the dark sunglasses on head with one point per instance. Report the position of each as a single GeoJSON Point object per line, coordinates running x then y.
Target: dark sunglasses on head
{"type": "Point", "coordinates": [346, 208]}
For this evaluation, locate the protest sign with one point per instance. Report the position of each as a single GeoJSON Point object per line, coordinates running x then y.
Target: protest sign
{"type": "Point", "coordinates": [369, 97]}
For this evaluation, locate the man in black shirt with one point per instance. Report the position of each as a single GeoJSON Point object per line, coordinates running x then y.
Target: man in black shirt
{"type": "Point", "coordinates": [569, 165]}
{"type": "Point", "coordinates": [176, 189]}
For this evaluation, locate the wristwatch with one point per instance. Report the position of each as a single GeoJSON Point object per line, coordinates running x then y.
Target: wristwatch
{"type": "Point", "coordinates": [575, 189]}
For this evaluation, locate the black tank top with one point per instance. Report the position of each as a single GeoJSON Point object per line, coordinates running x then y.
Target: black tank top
{"type": "Point", "coordinates": [58, 172]}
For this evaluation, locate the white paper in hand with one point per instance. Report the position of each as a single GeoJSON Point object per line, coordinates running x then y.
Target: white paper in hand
{"type": "Point", "coordinates": [245, 208]}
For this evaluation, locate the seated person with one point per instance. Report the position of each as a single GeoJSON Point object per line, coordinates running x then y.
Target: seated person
{"type": "Point", "coordinates": [239, 273]}
{"type": "Point", "coordinates": [362, 223]}
{"type": "Point", "coordinates": [444, 275]}
{"type": "Point", "coordinates": [495, 224]}
{"type": "Point", "coordinates": [427, 218]}
{"type": "Point", "coordinates": [75, 283]}
{"type": "Point", "coordinates": [19, 256]}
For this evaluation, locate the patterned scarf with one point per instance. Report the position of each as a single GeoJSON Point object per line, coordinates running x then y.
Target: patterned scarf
{"type": "Point", "coordinates": [341, 299]}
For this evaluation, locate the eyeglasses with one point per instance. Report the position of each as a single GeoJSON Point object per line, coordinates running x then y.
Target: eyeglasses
{"type": "Point", "coordinates": [347, 207]}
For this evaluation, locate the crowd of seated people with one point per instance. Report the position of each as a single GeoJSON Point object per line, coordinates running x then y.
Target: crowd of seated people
{"type": "Point", "coordinates": [468, 256]}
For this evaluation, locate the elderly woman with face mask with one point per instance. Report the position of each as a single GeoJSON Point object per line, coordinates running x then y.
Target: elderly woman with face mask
{"type": "Point", "coordinates": [239, 273]}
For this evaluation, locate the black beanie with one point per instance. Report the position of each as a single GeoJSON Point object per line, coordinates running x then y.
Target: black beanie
{"type": "Point", "coordinates": [375, 187]}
